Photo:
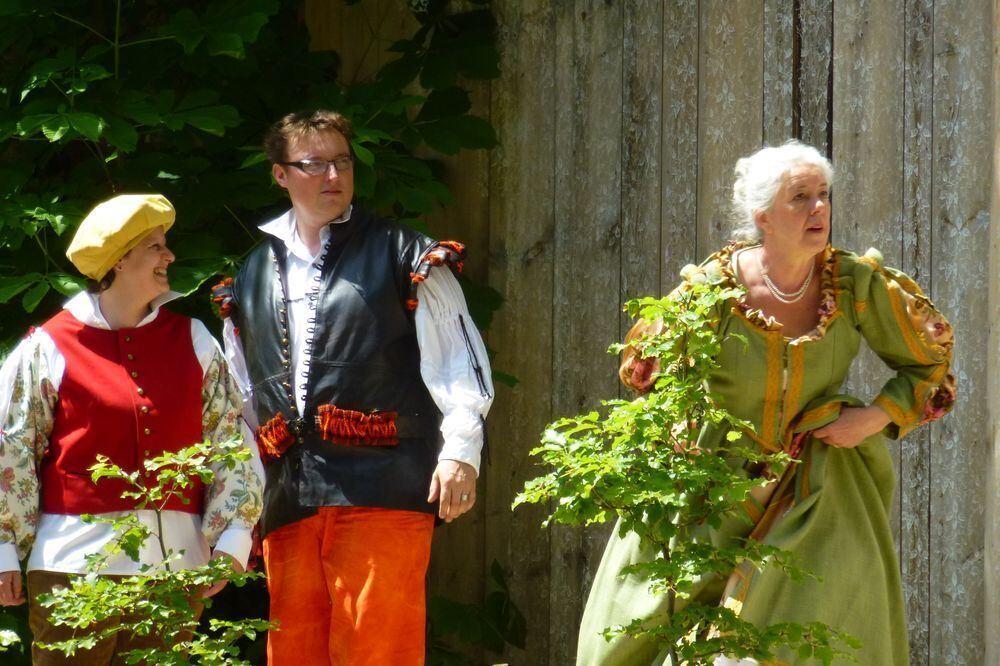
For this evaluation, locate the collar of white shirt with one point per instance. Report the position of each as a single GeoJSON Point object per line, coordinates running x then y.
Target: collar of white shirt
{"type": "Point", "coordinates": [86, 307]}
{"type": "Point", "coordinates": [286, 230]}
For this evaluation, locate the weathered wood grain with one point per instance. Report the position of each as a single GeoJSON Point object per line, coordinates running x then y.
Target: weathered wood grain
{"type": "Point", "coordinates": [814, 23]}
{"type": "Point", "coordinates": [992, 586]}
{"type": "Point", "coordinates": [914, 463]}
{"type": "Point", "coordinates": [779, 71]}
{"type": "Point", "coordinates": [642, 162]}
{"type": "Point", "coordinates": [522, 256]}
{"type": "Point", "coordinates": [961, 186]}
{"type": "Point", "coordinates": [679, 173]}
{"type": "Point", "coordinates": [730, 113]}
{"type": "Point", "coordinates": [588, 146]}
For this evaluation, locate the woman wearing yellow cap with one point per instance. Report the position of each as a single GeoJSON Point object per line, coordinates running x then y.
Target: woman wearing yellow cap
{"type": "Point", "coordinates": [114, 373]}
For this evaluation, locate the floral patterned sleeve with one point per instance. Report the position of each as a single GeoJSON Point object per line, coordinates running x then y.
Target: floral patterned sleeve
{"type": "Point", "coordinates": [27, 403]}
{"type": "Point", "coordinates": [912, 337]}
{"type": "Point", "coordinates": [234, 500]}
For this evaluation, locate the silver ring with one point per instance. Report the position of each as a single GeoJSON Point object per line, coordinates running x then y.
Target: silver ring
{"type": "Point", "coordinates": [465, 497]}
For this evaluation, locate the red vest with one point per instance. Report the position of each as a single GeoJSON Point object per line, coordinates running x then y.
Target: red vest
{"type": "Point", "coordinates": [128, 394]}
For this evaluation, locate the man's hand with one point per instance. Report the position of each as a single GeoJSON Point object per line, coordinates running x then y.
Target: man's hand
{"type": "Point", "coordinates": [853, 426]}
{"type": "Point", "coordinates": [454, 483]}
{"type": "Point", "coordinates": [237, 567]}
{"type": "Point", "coordinates": [11, 592]}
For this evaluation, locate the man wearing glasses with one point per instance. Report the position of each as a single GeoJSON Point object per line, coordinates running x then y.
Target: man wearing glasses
{"type": "Point", "coordinates": [356, 353]}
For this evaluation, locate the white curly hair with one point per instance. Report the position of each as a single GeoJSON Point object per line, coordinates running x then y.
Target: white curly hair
{"type": "Point", "coordinates": [759, 177]}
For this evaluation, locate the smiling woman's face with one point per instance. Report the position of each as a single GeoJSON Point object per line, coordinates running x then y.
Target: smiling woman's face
{"type": "Point", "coordinates": [798, 221]}
{"type": "Point", "coordinates": [144, 268]}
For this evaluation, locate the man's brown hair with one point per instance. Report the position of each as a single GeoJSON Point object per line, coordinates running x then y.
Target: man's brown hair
{"type": "Point", "coordinates": [299, 124]}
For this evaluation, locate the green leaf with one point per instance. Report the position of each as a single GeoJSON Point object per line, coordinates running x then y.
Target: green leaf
{"type": "Point", "coordinates": [186, 28]}
{"type": "Point", "coordinates": [481, 62]}
{"type": "Point", "coordinates": [363, 154]}
{"type": "Point", "coordinates": [55, 128]}
{"type": "Point", "coordinates": [227, 44]}
{"type": "Point", "coordinates": [415, 200]}
{"type": "Point", "coordinates": [187, 275]}
{"type": "Point", "coordinates": [121, 134]}
{"type": "Point", "coordinates": [210, 119]}
{"type": "Point", "coordinates": [440, 137]}
{"type": "Point", "coordinates": [138, 107]}
{"type": "Point", "coordinates": [34, 296]}
{"type": "Point", "coordinates": [444, 104]}
{"type": "Point", "coordinates": [506, 379]}
{"type": "Point", "coordinates": [440, 71]}
{"type": "Point", "coordinates": [196, 99]}
{"type": "Point", "coordinates": [67, 285]}
{"type": "Point", "coordinates": [87, 124]}
{"type": "Point", "coordinates": [14, 285]}
{"type": "Point", "coordinates": [254, 158]}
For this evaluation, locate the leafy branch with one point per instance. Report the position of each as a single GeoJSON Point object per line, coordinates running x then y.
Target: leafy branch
{"type": "Point", "coordinates": [160, 600]}
{"type": "Point", "coordinates": [669, 466]}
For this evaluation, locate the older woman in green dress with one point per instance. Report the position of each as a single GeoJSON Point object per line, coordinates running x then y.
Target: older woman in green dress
{"type": "Point", "coordinates": [805, 310]}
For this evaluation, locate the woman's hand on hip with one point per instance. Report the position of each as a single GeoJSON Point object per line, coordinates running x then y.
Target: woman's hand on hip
{"type": "Point", "coordinates": [11, 590]}
{"type": "Point", "coordinates": [854, 425]}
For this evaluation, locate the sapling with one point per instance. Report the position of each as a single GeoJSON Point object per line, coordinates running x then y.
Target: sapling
{"type": "Point", "coordinates": [161, 600]}
{"type": "Point", "coordinates": [646, 463]}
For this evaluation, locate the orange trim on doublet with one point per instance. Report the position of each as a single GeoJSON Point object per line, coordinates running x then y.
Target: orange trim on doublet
{"type": "Point", "coordinates": [897, 415]}
{"type": "Point", "coordinates": [813, 416]}
{"type": "Point", "coordinates": [772, 390]}
{"type": "Point", "coordinates": [753, 510]}
{"type": "Point", "coordinates": [905, 325]}
{"type": "Point", "coordinates": [909, 419]}
{"type": "Point", "coordinates": [761, 442]}
{"type": "Point", "coordinates": [796, 363]}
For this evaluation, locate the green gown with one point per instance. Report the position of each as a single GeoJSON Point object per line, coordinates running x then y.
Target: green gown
{"type": "Point", "coordinates": [833, 514]}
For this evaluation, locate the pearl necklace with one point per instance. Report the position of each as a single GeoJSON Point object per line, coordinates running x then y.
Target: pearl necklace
{"type": "Point", "coordinates": [789, 297]}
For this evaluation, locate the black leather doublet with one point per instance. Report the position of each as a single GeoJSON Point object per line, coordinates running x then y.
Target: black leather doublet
{"type": "Point", "coordinates": [364, 357]}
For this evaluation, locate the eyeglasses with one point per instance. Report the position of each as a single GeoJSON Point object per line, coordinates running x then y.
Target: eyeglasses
{"type": "Point", "coordinates": [320, 167]}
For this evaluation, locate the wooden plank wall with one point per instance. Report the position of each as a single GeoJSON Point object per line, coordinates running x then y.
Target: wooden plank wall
{"type": "Point", "coordinates": [992, 586]}
{"type": "Point", "coordinates": [620, 124]}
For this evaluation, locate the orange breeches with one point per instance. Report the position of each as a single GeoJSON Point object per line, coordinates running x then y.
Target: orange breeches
{"type": "Point", "coordinates": [347, 588]}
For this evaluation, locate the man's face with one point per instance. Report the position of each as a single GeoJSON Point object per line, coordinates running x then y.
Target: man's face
{"type": "Point", "coordinates": [317, 199]}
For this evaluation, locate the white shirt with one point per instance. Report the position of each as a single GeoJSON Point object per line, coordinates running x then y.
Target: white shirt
{"type": "Point", "coordinates": [450, 346]}
{"type": "Point", "coordinates": [62, 542]}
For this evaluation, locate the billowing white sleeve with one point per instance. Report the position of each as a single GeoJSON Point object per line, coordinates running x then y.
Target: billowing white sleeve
{"type": "Point", "coordinates": [454, 365]}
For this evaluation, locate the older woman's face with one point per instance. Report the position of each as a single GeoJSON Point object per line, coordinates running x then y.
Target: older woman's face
{"type": "Point", "coordinates": [799, 219]}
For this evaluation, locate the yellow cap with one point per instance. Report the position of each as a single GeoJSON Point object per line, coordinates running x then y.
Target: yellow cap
{"type": "Point", "coordinates": [114, 227]}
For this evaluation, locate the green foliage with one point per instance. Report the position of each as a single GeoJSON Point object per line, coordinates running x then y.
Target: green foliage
{"type": "Point", "coordinates": [159, 601]}
{"type": "Point", "coordinates": [98, 98]}
{"type": "Point", "coordinates": [492, 626]}
{"type": "Point", "coordinates": [646, 464]}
